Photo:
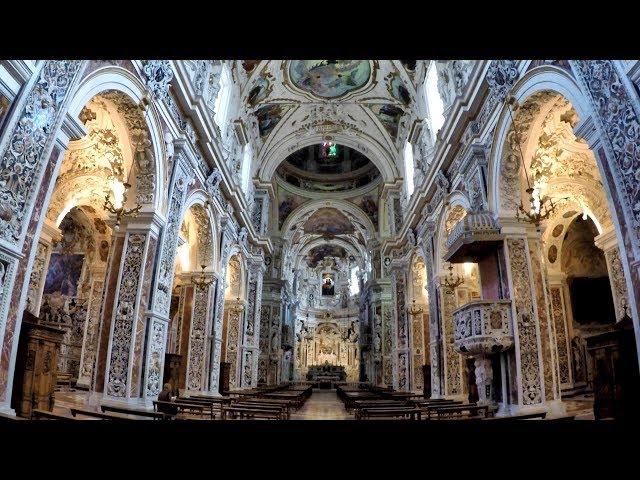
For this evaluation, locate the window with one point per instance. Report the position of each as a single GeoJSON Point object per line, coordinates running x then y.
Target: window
{"type": "Point", "coordinates": [408, 167]}
{"type": "Point", "coordinates": [245, 172]}
{"type": "Point", "coordinates": [354, 285]}
{"type": "Point", "coordinates": [221, 105]}
{"type": "Point", "coordinates": [434, 102]}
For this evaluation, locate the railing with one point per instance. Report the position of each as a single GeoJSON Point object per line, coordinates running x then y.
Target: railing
{"type": "Point", "coordinates": [483, 327]}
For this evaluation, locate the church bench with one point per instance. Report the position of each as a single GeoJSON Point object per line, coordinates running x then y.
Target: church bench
{"type": "Point", "coordinates": [63, 380]}
{"type": "Point", "coordinates": [297, 400]}
{"type": "Point", "coordinates": [40, 414]}
{"type": "Point", "coordinates": [101, 415]}
{"type": "Point", "coordinates": [214, 403]}
{"type": "Point", "coordinates": [136, 412]}
{"type": "Point", "coordinates": [436, 403]}
{"type": "Point", "coordinates": [459, 411]}
{"type": "Point", "coordinates": [5, 417]}
{"type": "Point", "coordinates": [285, 408]}
{"type": "Point", "coordinates": [410, 413]}
{"type": "Point", "coordinates": [186, 407]}
{"type": "Point", "coordinates": [286, 404]}
{"type": "Point", "coordinates": [251, 411]}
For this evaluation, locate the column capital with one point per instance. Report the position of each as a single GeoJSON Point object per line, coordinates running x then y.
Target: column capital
{"type": "Point", "coordinates": [606, 240]}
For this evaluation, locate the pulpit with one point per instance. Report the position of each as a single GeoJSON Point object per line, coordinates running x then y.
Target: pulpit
{"type": "Point", "coordinates": [36, 366]}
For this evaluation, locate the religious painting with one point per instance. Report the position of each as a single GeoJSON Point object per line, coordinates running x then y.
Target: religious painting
{"type": "Point", "coordinates": [268, 117]}
{"type": "Point", "coordinates": [4, 107]}
{"type": "Point", "coordinates": [329, 78]}
{"type": "Point", "coordinates": [370, 207]}
{"type": "Point", "coordinates": [328, 284]}
{"type": "Point", "coordinates": [328, 221]}
{"type": "Point", "coordinates": [396, 88]}
{"type": "Point", "coordinates": [259, 92]}
{"type": "Point", "coordinates": [63, 274]}
{"type": "Point", "coordinates": [287, 206]}
{"type": "Point", "coordinates": [316, 254]}
{"type": "Point", "coordinates": [389, 115]}
{"type": "Point", "coordinates": [249, 65]}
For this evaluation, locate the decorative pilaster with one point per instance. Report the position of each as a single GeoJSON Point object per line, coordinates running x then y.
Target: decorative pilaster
{"type": "Point", "coordinates": [90, 337]}
{"type": "Point", "coordinates": [401, 351]}
{"type": "Point", "coordinates": [29, 159]}
{"type": "Point", "coordinates": [198, 334]}
{"type": "Point", "coordinates": [251, 348]}
{"type": "Point", "coordinates": [559, 313]}
{"type": "Point", "coordinates": [607, 242]}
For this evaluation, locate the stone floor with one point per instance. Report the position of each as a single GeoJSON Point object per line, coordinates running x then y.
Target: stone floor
{"type": "Point", "coordinates": [322, 405]}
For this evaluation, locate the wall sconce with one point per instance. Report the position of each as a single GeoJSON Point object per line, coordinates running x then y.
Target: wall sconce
{"type": "Point", "coordinates": [120, 198]}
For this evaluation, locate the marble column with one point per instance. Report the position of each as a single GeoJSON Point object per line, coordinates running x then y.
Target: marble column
{"type": "Point", "coordinates": [608, 243]}
{"type": "Point", "coordinates": [91, 328]}
{"type": "Point", "coordinates": [451, 360]}
{"type": "Point", "coordinates": [536, 368]}
{"type": "Point", "coordinates": [198, 334]}
{"type": "Point", "coordinates": [31, 152]}
{"type": "Point", "coordinates": [251, 337]}
{"type": "Point", "coordinates": [401, 351]}
{"type": "Point", "coordinates": [561, 314]}
{"type": "Point", "coordinates": [156, 298]}
{"type": "Point", "coordinates": [123, 329]}
{"type": "Point", "coordinates": [484, 379]}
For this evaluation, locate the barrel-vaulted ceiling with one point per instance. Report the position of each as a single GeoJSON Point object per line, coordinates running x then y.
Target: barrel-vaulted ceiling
{"type": "Point", "coordinates": [362, 104]}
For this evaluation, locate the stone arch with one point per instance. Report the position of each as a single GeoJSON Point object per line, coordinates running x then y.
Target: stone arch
{"type": "Point", "coordinates": [210, 241]}
{"type": "Point", "coordinates": [271, 156]}
{"type": "Point", "coordinates": [455, 207]}
{"type": "Point", "coordinates": [127, 91]}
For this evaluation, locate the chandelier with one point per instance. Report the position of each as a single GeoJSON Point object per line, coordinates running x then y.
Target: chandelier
{"type": "Point", "coordinates": [450, 283]}
{"type": "Point", "coordinates": [118, 208]}
{"type": "Point", "coordinates": [539, 209]}
{"type": "Point", "coordinates": [202, 281]}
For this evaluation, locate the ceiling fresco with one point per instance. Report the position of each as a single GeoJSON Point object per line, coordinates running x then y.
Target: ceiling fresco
{"type": "Point", "coordinates": [328, 221]}
{"type": "Point", "coordinates": [329, 78]}
{"type": "Point", "coordinates": [317, 254]}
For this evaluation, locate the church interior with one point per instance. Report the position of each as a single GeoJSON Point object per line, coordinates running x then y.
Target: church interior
{"type": "Point", "coordinates": [406, 240]}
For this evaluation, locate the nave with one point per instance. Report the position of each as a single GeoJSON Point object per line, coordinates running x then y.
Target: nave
{"type": "Point", "coordinates": [455, 236]}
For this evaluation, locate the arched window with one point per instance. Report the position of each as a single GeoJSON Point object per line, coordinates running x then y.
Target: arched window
{"type": "Point", "coordinates": [245, 173]}
{"type": "Point", "coordinates": [408, 167]}
{"type": "Point", "coordinates": [434, 102]}
{"type": "Point", "coordinates": [354, 285]}
{"type": "Point", "coordinates": [223, 100]}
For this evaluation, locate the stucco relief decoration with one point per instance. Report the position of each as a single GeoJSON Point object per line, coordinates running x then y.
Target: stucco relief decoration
{"type": "Point", "coordinates": [170, 242]}
{"type": "Point", "coordinates": [621, 125]}
{"type": "Point", "coordinates": [140, 137]}
{"type": "Point", "coordinates": [557, 310]}
{"type": "Point", "coordinates": [616, 275]}
{"type": "Point", "coordinates": [124, 316]}
{"type": "Point", "coordinates": [154, 377]}
{"type": "Point", "coordinates": [525, 321]}
{"type": "Point", "coordinates": [22, 161]}
{"type": "Point", "coordinates": [197, 339]}
{"type": "Point", "coordinates": [203, 235]}
{"type": "Point", "coordinates": [501, 76]}
{"type": "Point", "coordinates": [159, 75]}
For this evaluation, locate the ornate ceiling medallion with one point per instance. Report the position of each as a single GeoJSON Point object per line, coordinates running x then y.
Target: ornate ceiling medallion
{"type": "Point", "coordinates": [329, 78]}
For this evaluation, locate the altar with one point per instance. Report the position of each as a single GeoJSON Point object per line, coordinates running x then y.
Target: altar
{"type": "Point", "coordinates": [326, 374]}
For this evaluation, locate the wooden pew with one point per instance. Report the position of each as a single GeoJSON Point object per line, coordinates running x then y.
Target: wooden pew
{"type": "Point", "coordinates": [468, 410]}
{"type": "Point", "coordinates": [5, 417]}
{"type": "Point", "coordinates": [409, 413]}
{"type": "Point", "coordinates": [526, 416]}
{"type": "Point", "coordinates": [252, 411]}
{"type": "Point", "coordinates": [37, 414]}
{"type": "Point", "coordinates": [187, 407]}
{"type": "Point", "coordinates": [136, 412]}
{"type": "Point", "coordinates": [63, 379]}
{"type": "Point", "coordinates": [100, 415]}
{"type": "Point", "coordinates": [285, 404]}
